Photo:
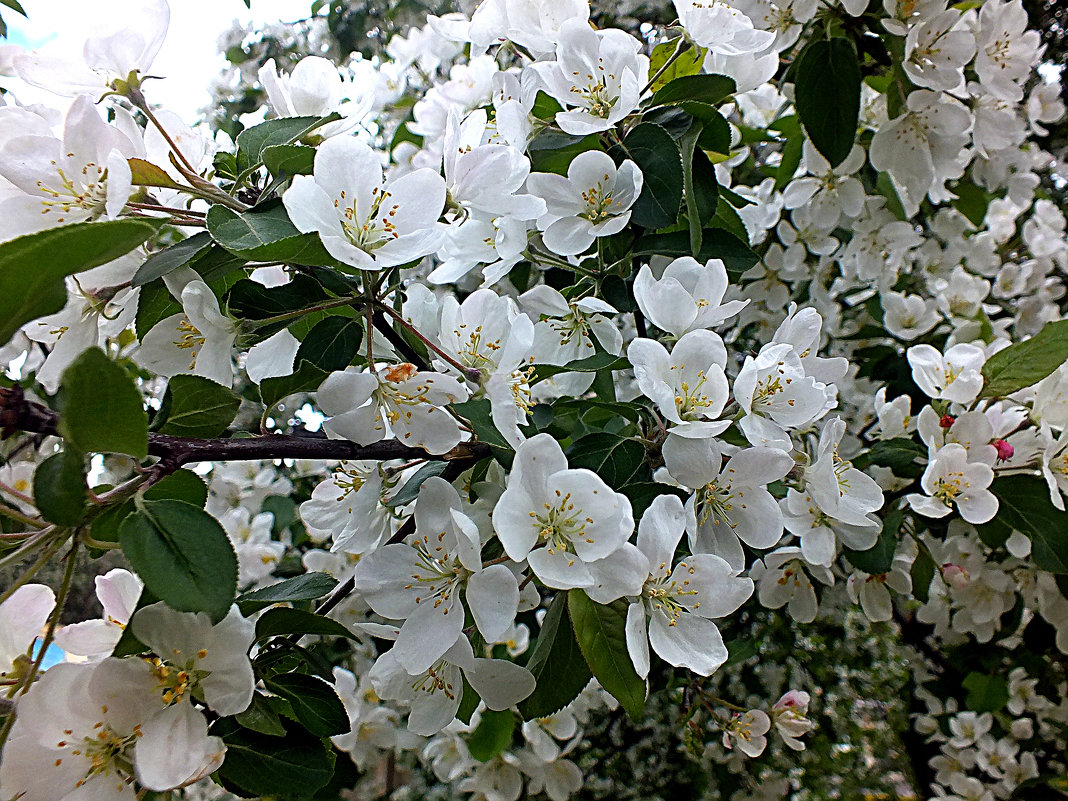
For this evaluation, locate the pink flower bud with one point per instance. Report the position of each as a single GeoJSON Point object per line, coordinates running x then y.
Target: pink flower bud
{"type": "Point", "coordinates": [947, 421]}
{"type": "Point", "coordinates": [1004, 449]}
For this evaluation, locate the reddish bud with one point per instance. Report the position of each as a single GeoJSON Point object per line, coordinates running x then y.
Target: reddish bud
{"type": "Point", "coordinates": [1004, 449]}
{"type": "Point", "coordinates": [947, 421]}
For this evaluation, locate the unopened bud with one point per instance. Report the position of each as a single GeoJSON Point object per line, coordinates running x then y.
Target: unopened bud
{"type": "Point", "coordinates": [947, 421]}
{"type": "Point", "coordinates": [1004, 449]}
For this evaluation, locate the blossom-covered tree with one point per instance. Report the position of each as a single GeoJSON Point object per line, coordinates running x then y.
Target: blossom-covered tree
{"type": "Point", "coordinates": [398, 404]}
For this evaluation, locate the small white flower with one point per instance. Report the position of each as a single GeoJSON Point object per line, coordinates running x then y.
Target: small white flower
{"type": "Point", "coordinates": [951, 481]}
{"type": "Point", "coordinates": [954, 376]}
{"type": "Point", "coordinates": [687, 296]}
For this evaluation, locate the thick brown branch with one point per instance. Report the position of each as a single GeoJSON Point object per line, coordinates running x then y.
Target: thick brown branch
{"type": "Point", "coordinates": [19, 414]}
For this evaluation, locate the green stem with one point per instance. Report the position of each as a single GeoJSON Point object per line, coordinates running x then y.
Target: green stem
{"type": "Point", "coordinates": [15, 514]}
{"type": "Point", "coordinates": [278, 318]}
{"type": "Point", "coordinates": [680, 48]}
{"type": "Point", "coordinates": [31, 571]}
{"type": "Point", "coordinates": [470, 373]}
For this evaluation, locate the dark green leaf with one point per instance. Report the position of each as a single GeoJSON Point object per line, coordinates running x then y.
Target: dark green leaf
{"type": "Point", "coordinates": [545, 106]}
{"type": "Point", "coordinates": [332, 344]}
{"type": "Point", "coordinates": [553, 151]}
{"type": "Point", "coordinates": [791, 159]}
{"type": "Point", "coordinates": [492, 735]}
{"type": "Point", "coordinates": [734, 198]}
{"type": "Point", "coordinates": [557, 663]}
{"type": "Point", "coordinates": [410, 491]}
{"type": "Point", "coordinates": [827, 91]}
{"type": "Point", "coordinates": [266, 233]}
{"type": "Point", "coordinates": [618, 460]}
{"type": "Point", "coordinates": [717, 243]}
{"type": "Point", "coordinates": [294, 766]}
{"type": "Point", "coordinates": [183, 555]}
{"type": "Point", "coordinates": [181, 485]}
{"type": "Point", "coordinates": [1024, 504]}
{"type": "Point", "coordinates": [285, 620]}
{"type": "Point", "coordinates": [252, 142]}
{"type": "Point", "coordinates": [194, 406]}
{"type": "Point", "coordinates": [32, 267]}
{"type": "Point", "coordinates": [253, 300]}
{"type": "Point", "coordinates": [306, 378]}
{"type": "Point", "coordinates": [305, 587]}
{"type": "Point", "coordinates": [59, 489]}
{"type": "Point", "coordinates": [711, 89]}
{"type": "Point", "coordinates": [641, 494]}
{"type": "Point", "coordinates": [315, 703]}
{"type": "Point", "coordinates": [1026, 363]}
{"type": "Point", "coordinates": [289, 159]}
{"type": "Point", "coordinates": [972, 202]}
{"type": "Point", "coordinates": [260, 717]}
{"type": "Point", "coordinates": [923, 570]}
{"type": "Point", "coordinates": [169, 259]}
{"type": "Point", "coordinates": [657, 155]}
{"type": "Point", "coordinates": [904, 456]}
{"type": "Point", "coordinates": [100, 407]}
{"type": "Point", "coordinates": [600, 631]}
{"type": "Point", "coordinates": [478, 414]}
{"type": "Point", "coordinates": [985, 693]}
{"type": "Point", "coordinates": [154, 304]}
{"type": "Point", "coordinates": [591, 364]}
{"type": "Point", "coordinates": [880, 557]}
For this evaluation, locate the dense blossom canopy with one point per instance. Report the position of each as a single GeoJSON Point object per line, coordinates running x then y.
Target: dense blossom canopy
{"type": "Point", "coordinates": [519, 374]}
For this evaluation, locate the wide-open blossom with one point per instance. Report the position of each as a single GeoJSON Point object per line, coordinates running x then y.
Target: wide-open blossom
{"type": "Point", "coordinates": [677, 603]}
{"type": "Point", "coordinates": [721, 28]}
{"type": "Point", "coordinates": [400, 399]}
{"type": "Point", "coordinates": [434, 694]}
{"type": "Point", "coordinates": [348, 508]}
{"type": "Point", "coordinates": [596, 76]}
{"type": "Point", "coordinates": [954, 376]}
{"type": "Point", "coordinates": [314, 88]}
{"type": "Point", "coordinates": [952, 482]}
{"type": "Point", "coordinates": [594, 200]}
{"type": "Point", "coordinates": [731, 503]}
{"type": "Point", "coordinates": [362, 221]}
{"type": "Point", "coordinates": [687, 296]}
{"type": "Point", "coordinates": [689, 386]}
{"type": "Point", "coordinates": [559, 519]}
{"type": "Point", "coordinates": [421, 580]}
{"type": "Point", "coordinates": [118, 591]}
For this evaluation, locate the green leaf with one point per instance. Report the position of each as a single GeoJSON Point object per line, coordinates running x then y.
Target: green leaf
{"type": "Point", "coordinates": [879, 558]}
{"type": "Point", "coordinates": [711, 89]}
{"type": "Point", "coordinates": [688, 63]}
{"type": "Point", "coordinates": [260, 717]}
{"type": "Point", "coordinates": [306, 378]}
{"type": "Point", "coordinates": [618, 460]}
{"type": "Point", "coordinates": [14, 5]}
{"type": "Point", "coordinates": [657, 155]}
{"type": "Point", "coordinates": [557, 663]}
{"type": "Point", "coordinates": [545, 106]}
{"type": "Point", "coordinates": [591, 364]}
{"type": "Point", "coordinates": [716, 243]}
{"type": "Point", "coordinates": [827, 92]}
{"type": "Point", "coordinates": [478, 414]}
{"type": "Point", "coordinates": [985, 693]}
{"type": "Point", "coordinates": [266, 233]}
{"type": "Point", "coordinates": [923, 570]}
{"type": "Point", "coordinates": [410, 491]}
{"type": "Point", "coordinates": [145, 173]}
{"type": "Point", "coordinates": [154, 304]}
{"type": "Point", "coordinates": [1024, 504]}
{"type": "Point", "coordinates": [1026, 363]}
{"type": "Point", "coordinates": [100, 407]}
{"type": "Point", "coordinates": [194, 406]}
{"type": "Point", "coordinates": [285, 620]}
{"type": "Point", "coordinates": [59, 489]}
{"type": "Point", "coordinates": [183, 555]}
{"type": "Point", "coordinates": [600, 631]}
{"type": "Point", "coordinates": [253, 300]}
{"type": "Point", "coordinates": [32, 267]}
{"type": "Point", "coordinates": [181, 485]}
{"type": "Point", "coordinates": [315, 703]}
{"type": "Point", "coordinates": [305, 587]}
{"type": "Point", "coordinates": [252, 142]}
{"type": "Point", "coordinates": [972, 201]}
{"type": "Point", "coordinates": [332, 344]}
{"type": "Point", "coordinates": [791, 159]}
{"type": "Point", "coordinates": [294, 766]}
{"type": "Point", "coordinates": [289, 159]}
{"type": "Point", "coordinates": [903, 455]}
{"type": "Point", "coordinates": [492, 735]}
{"type": "Point", "coordinates": [553, 151]}
{"type": "Point", "coordinates": [169, 259]}
{"type": "Point", "coordinates": [643, 493]}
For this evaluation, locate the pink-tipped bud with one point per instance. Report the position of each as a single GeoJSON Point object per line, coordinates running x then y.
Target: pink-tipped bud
{"type": "Point", "coordinates": [1004, 449]}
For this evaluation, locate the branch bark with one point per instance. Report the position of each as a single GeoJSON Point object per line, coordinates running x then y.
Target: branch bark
{"type": "Point", "coordinates": [17, 413]}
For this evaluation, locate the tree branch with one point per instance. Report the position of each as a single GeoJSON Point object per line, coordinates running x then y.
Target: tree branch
{"type": "Point", "coordinates": [19, 414]}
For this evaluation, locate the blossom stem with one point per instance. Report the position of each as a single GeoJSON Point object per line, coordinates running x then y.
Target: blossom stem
{"type": "Point", "coordinates": [50, 632]}
{"type": "Point", "coordinates": [291, 315]}
{"type": "Point", "coordinates": [14, 514]}
{"type": "Point", "coordinates": [31, 571]}
{"type": "Point", "coordinates": [470, 373]}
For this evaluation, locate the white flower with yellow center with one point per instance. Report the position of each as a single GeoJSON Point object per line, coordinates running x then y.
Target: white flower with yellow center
{"type": "Point", "coordinates": [348, 508]}
{"type": "Point", "coordinates": [401, 400]}
{"type": "Point", "coordinates": [676, 605]}
{"type": "Point", "coordinates": [688, 386]}
{"type": "Point", "coordinates": [597, 76]}
{"type": "Point", "coordinates": [559, 519]}
{"type": "Point", "coordinates": [953, 376]}
{"type": "Point", "coordinates": [362, 221]}
{"type": "Point", "coordinates": [594, 200]}
{"type": "Point", "coordinates": [952, 482]}
{"type": "Point", "coordinates": [687, 296]}
{"type": "Point", "coordinates": [420, 581]}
